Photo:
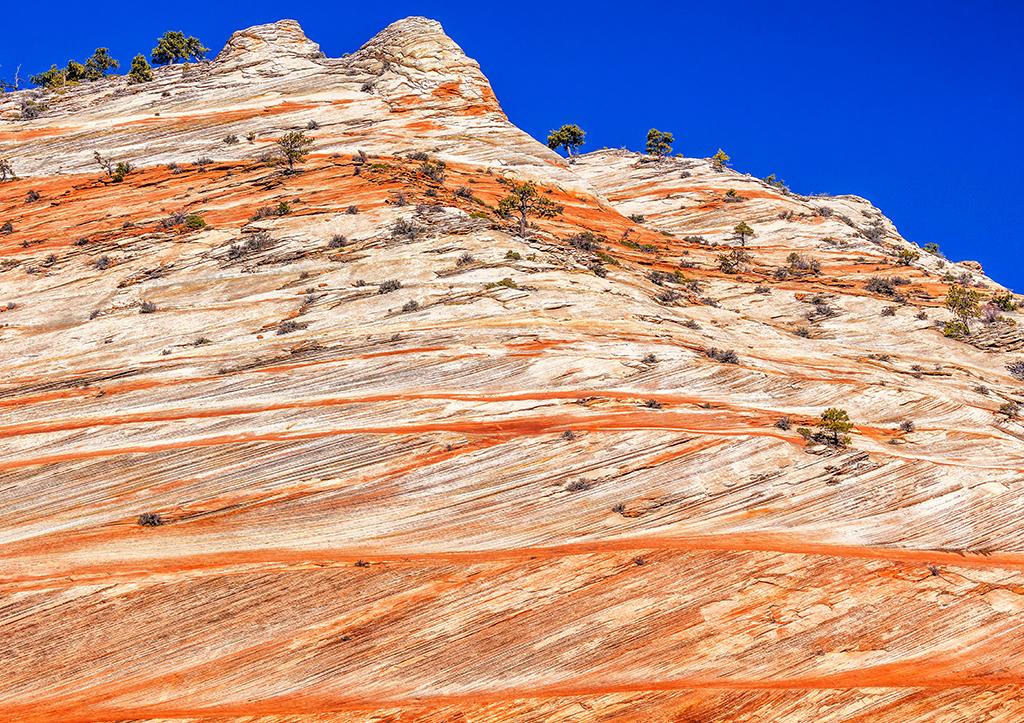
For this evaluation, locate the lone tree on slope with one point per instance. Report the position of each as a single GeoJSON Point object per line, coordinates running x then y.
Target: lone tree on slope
{"type": "Point", "coordinates": [174, 46]}
{"type": "Point", "coordinates": [836, 422]}
{"type": "Point", "coordinates": [524, 199]}
{"type": "Point", "coordinates": [659, 143]}
{"type": "Point", "coordinates": [569, 137]}
{"type": "Point", "coordinates": [743, 230]}
{"type": "Point", "coordinates": [293, 147]}
{"type": "Point", "coordinates": [720, 160]}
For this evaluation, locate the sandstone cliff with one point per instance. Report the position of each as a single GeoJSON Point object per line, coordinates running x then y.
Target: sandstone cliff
{"type": "Point", "coordinates": [516, 485]}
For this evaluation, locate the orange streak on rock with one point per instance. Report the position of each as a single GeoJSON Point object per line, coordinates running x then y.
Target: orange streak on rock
{"type": "Point", "coordinates": [522, 426]}
{"type": "Point", "coordinates": [195, 561]}
{"type": "Point", "coordinates": [27, 134]}
{"type": "Point", "coordinates": [751, 417]}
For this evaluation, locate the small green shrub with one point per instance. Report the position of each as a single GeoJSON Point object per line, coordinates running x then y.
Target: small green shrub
{"type": "Point", "coordinates": [1005, 301]}
{"type": "Point", "coordinates": [122, 169]}
{"type": "Point", "coordinates": [646, 248]}
{"type": "Point", "coordinates": [904, 257]}
{"type": "Point", "coordinates": [283, 208]}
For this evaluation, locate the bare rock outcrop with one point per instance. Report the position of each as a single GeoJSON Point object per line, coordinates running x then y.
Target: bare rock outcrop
{"type": "Point", "coordinates": [274, 44]}
{"type": "Point", "coordinates": [415, 57]}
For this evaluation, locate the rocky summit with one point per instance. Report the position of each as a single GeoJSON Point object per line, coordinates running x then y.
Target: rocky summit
{"type": "Point", "coordinates": [342, 443]}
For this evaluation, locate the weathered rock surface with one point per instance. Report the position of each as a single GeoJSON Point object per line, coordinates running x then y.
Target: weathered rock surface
{"type": "Point", "coordinates": [513, 488]}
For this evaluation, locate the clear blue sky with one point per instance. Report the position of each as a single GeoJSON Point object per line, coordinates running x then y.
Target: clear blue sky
{"type": "Point", "coordinates": [916, 106]}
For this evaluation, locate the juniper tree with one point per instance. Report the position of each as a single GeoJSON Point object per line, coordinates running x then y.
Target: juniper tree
{"type": "Point", "coordinates": [294, 147]}
{"type": "Point", "coordinates": [743, 230]}
{"type": "Point", "coordinates": [720, 160]}
{"type": "Point", "coordinates": [525, 200]}
{"type": "Point", "coordinates": [836, 422]}
{"type": "Point", "coordinates": [140, 71]}
{"type": "Point", "coordinates": [174, 46]}
{"type": "Point", "coordinates": [74, 72]}
{"type": "Point", "coordinates": [905, 257]}
{"type": "Point", "coordinates": [98, 64]}
{"type": "Point", "coordinates": [569, 137]}
{"type": "Point", "coordinates": [963, 302]}
{"type": "Point", "coordinates": [53, 78]}
{"type": "Point", "coordinates": [659, 143]}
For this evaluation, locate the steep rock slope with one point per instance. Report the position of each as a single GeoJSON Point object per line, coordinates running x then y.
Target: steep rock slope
{"type": "Point", "coordinates": [409, 85]}
{"type": "Point", "coordinates": [515, 487]}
